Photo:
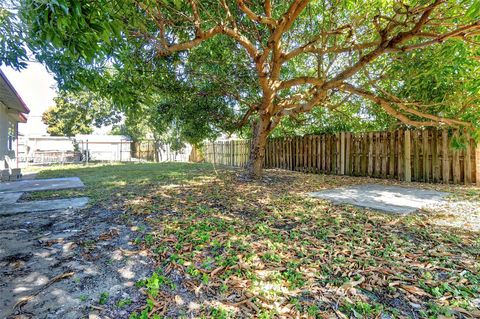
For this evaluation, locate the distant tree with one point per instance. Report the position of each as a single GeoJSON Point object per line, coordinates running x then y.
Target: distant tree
{"type": "Point", "coordinates": [136, 130]}
{"type": "Point", "coordinates": [78, 113]}
{"type": "Point", "coordinates": [156, 101]}
{"type": "Point", "coordinates": [173, 118]}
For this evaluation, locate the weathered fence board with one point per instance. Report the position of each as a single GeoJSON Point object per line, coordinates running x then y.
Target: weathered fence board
{"type": "Point", "coordinates": [477, 165]}
{"type": "Point", "coordinates": [409, 155]}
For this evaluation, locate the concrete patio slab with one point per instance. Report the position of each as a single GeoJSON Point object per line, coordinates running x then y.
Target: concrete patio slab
{"type": "Point", "coordinates": [9, 198]}
{"type": "Point", "coordinates": [42, 205]}
{"type": "Point", "coordinates": [41, 185]}
{"type": "Point", "coordinates": [393, 199]}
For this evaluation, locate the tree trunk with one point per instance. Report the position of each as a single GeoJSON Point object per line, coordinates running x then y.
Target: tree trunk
{"type": "Point", "coordinates": [261, 129]}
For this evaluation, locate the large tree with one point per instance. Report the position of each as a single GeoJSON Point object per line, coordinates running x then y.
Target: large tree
{"type": "Point", "coordinates": [274, 59]}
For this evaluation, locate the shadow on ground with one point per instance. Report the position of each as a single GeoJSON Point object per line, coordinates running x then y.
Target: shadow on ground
{"type": "Point", "coordinates": [224, 247]}
{"type": "Point", "coordinates": [60, 264]}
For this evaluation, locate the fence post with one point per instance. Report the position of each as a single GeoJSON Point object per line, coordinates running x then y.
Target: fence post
{"type": "Point", "coordinates": [232, 147]}
{"type": "Point", "coordinates": [342, 153]}
{"type": "Point", "coordinates": [477, 163]}
{"type": "Point", "coordinates": [456, 163]}
{"type": "Point", "coordinates": [445, 163]}
{"type": "Point", "coordinates": [214, 157]}
{"type": "Point", "coordinates": [369, 155]}
{"type": "Point", "coordinates": [467, 164]}
{"type": "Point", "coordinates": [88, 153]}
{"type": "Point", "coordinates": [391, 156]}
{"type": "Point", "coordinates": [426, 155]}
{"type": "Point", "coordinates": [407, 159]}
{"type": "Point", "coordinates": [120, 149]}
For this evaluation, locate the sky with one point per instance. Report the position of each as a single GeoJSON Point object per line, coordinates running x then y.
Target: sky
{"type": "Point", "coordinates": [36, 86]}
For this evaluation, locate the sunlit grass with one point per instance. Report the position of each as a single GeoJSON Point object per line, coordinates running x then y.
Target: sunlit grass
{"type": "Point", "coordinates": [105, 182]}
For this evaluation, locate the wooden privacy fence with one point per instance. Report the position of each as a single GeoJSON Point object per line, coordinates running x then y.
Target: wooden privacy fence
{"type": "Point", "coordinates": [232, 153]}
{"type": "Point", "coordinates": [148, 151]}
{"type": "Point", "coordinates": [409, 155]}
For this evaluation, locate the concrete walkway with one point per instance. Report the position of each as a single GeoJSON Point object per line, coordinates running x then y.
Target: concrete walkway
{"type": "Point", "coordinates": [42, 205]}
{"type": "Point", "coordinates": [11, 192]}
{"type": "Point", "coordinates": [393, 199]}
{"type": "Point", "coordinates": [9, 198]}
{"type": "Point", "coordinates": [34, 185]}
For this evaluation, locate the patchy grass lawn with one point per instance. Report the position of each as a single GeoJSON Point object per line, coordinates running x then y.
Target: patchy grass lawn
{"type": "Point", "coordinates": [107, 183]}
{"type": "Point", "coordinates": [228, 249]}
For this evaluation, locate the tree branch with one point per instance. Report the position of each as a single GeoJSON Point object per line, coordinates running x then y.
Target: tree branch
{"type": "Point", "coordinates": [457, 33]}
{"type": "Point", "coordinates": [199, 38]}
{"type": "Point", "coordinates": [255, 17]}
{"type": "Point", "coordinates": [252, 51]}
{"type": "Point", "coordinates": [229, 15]}
{"type": "Point", "coordinates": [268, 8]}
{"type": "Point", "coordinates": [295, 109]}
{"type": "Point", "coordinates": [387, 106]}
{"type": "Point", "coordinates": [383, 47]}
{"type": "Point", "coordinates": [403, 106]}
{"type": "Point", "coordinates": [196, 18]}
{"type": "Point", "coordinates": [300, 81]}
{"type": "Point", "coordinates": [310, 48]}
{"type": "Point", "coordinates": [245, 117]}
{"type": "Point", "coordinates": [282, 26]}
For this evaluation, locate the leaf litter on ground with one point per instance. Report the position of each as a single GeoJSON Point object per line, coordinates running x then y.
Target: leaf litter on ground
{"type": "Point", "coordinates": [227, 248]}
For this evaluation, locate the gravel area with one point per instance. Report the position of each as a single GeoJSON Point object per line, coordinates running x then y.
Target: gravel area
{"type": "Point", "coordinates": [456, 213]}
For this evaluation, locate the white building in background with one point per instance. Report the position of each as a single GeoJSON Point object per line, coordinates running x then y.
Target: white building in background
{"type": "Point", "coordinates": [105, 147]}
{"type": "Point", "coordinates": [12, 111]}
{"type": "Point", "coordinates": [44, 149]}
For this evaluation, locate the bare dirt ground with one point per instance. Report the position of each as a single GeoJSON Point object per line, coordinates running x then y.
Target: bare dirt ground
{"type": "Point", "coordinates": [70, 264]}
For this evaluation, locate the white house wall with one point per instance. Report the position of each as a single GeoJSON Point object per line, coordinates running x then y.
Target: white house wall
{"type": "Point", "coordinates": [6, 120]}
